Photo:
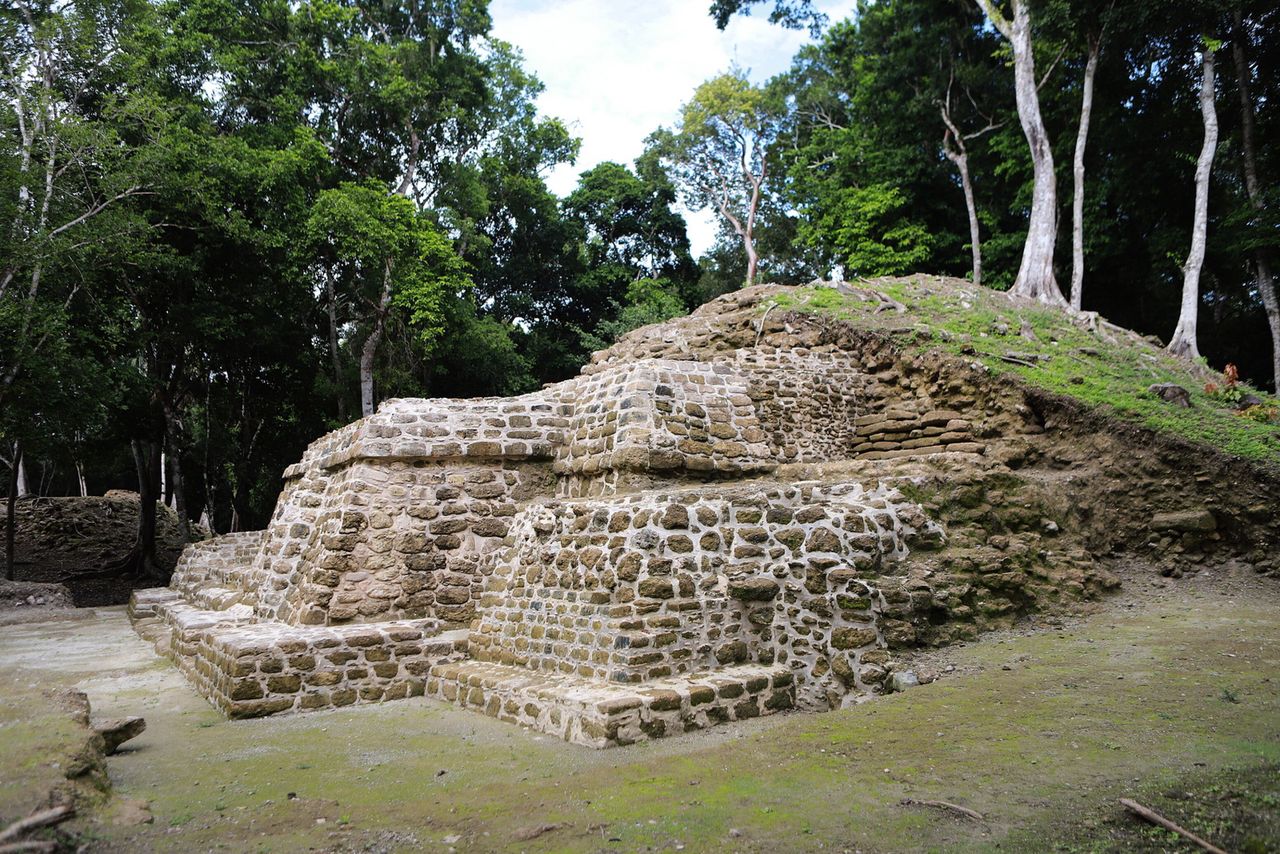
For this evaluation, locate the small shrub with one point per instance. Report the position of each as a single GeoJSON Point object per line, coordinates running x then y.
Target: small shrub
{"type": "Point", "coordinates": [1263, 413]}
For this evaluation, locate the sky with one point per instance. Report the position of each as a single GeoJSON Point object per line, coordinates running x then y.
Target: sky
{"type": "Point", "coordinates": [616, 70]}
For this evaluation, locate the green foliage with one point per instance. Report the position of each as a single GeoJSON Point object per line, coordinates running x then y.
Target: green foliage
{"type": "Point", "coordinates": [382, 244]}
{"type": "Point", "coordinates": [647, 301]}
{"type": "Point", "coordinates": [789, 13]}
{"type": "Point", "coordinates": [479, 355]}
{"type": "Point", "coordinates": [718, 154]}
{"type": "Point", "coordinates": [866, 231]}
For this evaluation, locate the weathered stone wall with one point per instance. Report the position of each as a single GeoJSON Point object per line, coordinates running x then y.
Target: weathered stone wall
{"type": "Point", "coordinates": [388, 538]}
{"type": "Point", "coordinates": [664, 416]}
{"type": "Point", "coordinates": [218, 572]}
{"type": "Point", "coordinates": [389, 518]}
{"type": "Point", "coordinates": [396, 540]}
{"type": "Point", "coordinates": [647, 586]}
{"type": "Point", "coordinates": [248, 668]}
{"type": "Point", "coordinates": [807, 402]}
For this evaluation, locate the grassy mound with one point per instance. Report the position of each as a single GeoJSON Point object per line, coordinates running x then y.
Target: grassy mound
{"type": "Point", "coordinates": [1083, 358]}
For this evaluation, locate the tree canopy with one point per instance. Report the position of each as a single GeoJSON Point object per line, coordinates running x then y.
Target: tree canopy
{"type": "Point", "coordinates": [228, 226]}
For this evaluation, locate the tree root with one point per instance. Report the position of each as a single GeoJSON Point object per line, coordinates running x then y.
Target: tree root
{"type": "Point", "coordinates": [44, 818]}
{"type": "Point", "coordinates": [885, 301]}
{"type": "Point", "coordinates": [1154, 817]}
{"type": "Point", "coordinates": [944, 805]}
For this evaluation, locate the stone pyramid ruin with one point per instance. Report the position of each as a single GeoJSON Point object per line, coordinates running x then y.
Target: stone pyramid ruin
{"type": "Point", "coordinates": [709, 523]}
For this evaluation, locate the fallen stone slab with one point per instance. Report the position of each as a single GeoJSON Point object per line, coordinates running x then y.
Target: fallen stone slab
{"type": "Point", "coordinates": [117, 731]}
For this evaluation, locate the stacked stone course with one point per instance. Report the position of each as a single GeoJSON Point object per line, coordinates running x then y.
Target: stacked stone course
{"type": "Point", "coordinates": [648, 586]}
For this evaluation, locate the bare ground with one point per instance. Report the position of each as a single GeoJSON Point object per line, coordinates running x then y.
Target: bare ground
{"type": "Point", "coordinates": [1168, 687]}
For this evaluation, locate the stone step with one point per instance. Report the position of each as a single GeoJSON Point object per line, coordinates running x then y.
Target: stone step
{"type": "Point", "coordinates": [189, 621]}
{"type": "Point", "coordinates": [249, 667]}
{"type": "Point", "coordinates": [217, 598]}
{"type": "Point", "coordinates": [143, 604]}
{"type": "Point", "coordinates": [599, 714]}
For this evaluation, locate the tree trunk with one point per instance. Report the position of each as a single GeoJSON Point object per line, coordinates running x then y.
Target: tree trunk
{"type": "Point", "coordinates": [1270, 305]}
{"type": "Point", "coordinates": [333, 346]}
{"type": "Point", "coordinates": [240, 506]}
{"type": "Point", "coordinates": [960, 158]}
{"type": "Point", "coordinates": [165, 492]}
{"type": "Point", "coordinates": [1266, 284]}
{"type": "Point", "coordinates": [147, 458]}
{"type": "Point", "coordinates": [173, 432]}
{"type": "Point", "coordinates": [370, 349]}
{"type": "Point", "coordinates": [975, 238]}
{"type": "Point", "coordinates": [23, 485]}
{"type": "Point", "coordinates": [206, 517]}
{"type": "Point", "coordinates": [1035, 274]}
{"type": "Point", "coordinates": [1077, 197]}
{"type": "Point", "coordinates": [11, 511]}
{"type": "Point", "coordinates": [180, 501]}
{"type": "Point", "coordinates": [1184, 341]}
{"type": "Point", "coordinates": [959, 155]}
{"type": "Point", "coordinates": [753, 259]}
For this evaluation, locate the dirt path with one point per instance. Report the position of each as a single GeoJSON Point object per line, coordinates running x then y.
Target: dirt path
{"type": "Point", "coordinates": [1038, 731]}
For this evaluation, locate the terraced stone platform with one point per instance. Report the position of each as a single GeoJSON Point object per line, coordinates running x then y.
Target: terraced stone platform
{"type": "Point", "coordinates": [609, 559]}
{"type": "Point", "coordinates": [250, 669]}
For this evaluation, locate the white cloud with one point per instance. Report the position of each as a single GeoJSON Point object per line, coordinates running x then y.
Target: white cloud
{"type": "Point", "coordinates": [616, 71]}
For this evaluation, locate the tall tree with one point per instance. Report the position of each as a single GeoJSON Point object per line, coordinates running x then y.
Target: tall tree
{"type": "Point", "coordinates": [1184, 341]}
{"type": "Point", "coordinates": [718, 153]}
{"type": "Point", "coordinates": [1094, 29]}
{"type": "Point", "coordinates": [955, 148]}
{"type": "Point", "coordinates": [1248, 144]}
{"type": "Point", "coordinates": [1035, 279]}
{"type": "Point", "coordinates": [69, 170]}
{"type": "Point", "coordinates": [393, 256]}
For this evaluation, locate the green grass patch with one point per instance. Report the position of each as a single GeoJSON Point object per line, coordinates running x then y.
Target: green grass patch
{"type": "Point", "coordinates": [1108, 370]}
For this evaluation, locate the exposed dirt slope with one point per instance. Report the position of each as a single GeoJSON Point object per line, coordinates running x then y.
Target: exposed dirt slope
{"type": "Point", "coordinates": [69, 540]}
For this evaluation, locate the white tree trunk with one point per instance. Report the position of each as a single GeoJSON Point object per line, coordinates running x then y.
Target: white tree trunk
{"type": "Point", "coordinates": [1077, 198]}
{"type": "Point", "coordinates": [1271, 306]}
{"type": "Point", "coordinates": [370, 349]}
{"type": "Point", "coordinates": [1266, 284]}
{"type": "Point", "coordinates": [164, 478]}
{"type": "Point", "coordinates": [1035, 274]}
{"type": "Point", "coordinates": [332, 300]}
{"type": "Point", "coordinates": [753, 259]}
{"type": "Point", "coordinates": [960, 157]}
{"type": "Point", "coordinates": [24, 488]}
{"type": "Point", "coordinates": [961, 161]}
{"type": "Point", "coordinates": [1184, 335]}
{"type": "Point", "coordinates": [367, 355]}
